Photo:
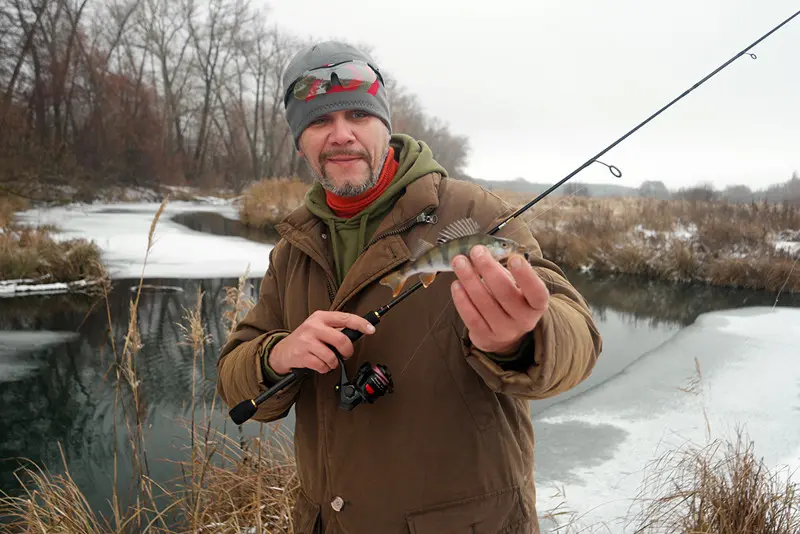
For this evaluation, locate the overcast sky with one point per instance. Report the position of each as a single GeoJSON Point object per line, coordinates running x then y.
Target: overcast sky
{"type": "Point", "coordinates": [540, 87]}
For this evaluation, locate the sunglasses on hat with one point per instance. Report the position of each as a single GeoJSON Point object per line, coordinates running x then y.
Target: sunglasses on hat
{"type": "Point", "coordinates": [347, 76]}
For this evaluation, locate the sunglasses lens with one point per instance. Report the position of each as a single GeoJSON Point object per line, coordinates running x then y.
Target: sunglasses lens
{"type": "Point", "coordinates": [349, 76]}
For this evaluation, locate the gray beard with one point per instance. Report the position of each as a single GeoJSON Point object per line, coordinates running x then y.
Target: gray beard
{"type": "Point", "coordinates": [349, 190]}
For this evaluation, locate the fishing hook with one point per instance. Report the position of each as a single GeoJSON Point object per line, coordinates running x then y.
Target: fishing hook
{"type": "Point", "coordinates": [247, 408]}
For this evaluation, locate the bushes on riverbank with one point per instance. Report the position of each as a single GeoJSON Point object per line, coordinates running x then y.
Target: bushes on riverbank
{"type": "Point", "coordinates": [719, 243]}
{"type": "Point", "coordinates": [266, 202]}
{"type": "Point", "coordinates": [751, 246]}
{"type": "Point", "coordinates": [31, 255]}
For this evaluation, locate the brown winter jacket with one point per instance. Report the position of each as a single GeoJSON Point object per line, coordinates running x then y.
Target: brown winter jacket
{"type": "Point", "coordinates": [451, 449]}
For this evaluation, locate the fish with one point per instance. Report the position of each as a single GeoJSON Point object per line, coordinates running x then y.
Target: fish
{"type": "Point", "coordinates": [427, 260]}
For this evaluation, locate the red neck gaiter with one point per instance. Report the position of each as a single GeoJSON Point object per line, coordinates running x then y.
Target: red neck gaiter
{"type": "Point", "coordinates": [348, 206]}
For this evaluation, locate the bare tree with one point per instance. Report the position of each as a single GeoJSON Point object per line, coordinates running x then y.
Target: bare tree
{"type": "Point", "coordinates": [212, 41]}
{"type": "Point", "coordinates": [146, 92]}
{"type": "Point", "coordinates": [165, 34]}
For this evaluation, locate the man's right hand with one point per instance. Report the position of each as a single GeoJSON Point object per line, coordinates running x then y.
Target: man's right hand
{"type": "Point", "coordinates": [306, 345]}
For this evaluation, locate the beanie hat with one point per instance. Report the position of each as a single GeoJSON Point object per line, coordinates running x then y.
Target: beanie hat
{"type": "Point", "coordinates": [299, 113]}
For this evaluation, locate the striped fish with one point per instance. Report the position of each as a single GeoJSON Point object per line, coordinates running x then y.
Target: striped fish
{"type": "Point", "coordinates": [456, 238]}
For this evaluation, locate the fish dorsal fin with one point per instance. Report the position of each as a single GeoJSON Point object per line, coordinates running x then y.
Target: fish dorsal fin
{"type": "Point", "coordinates": [459, 228]}
{"type": "Point", "coordinates": [420, 248]}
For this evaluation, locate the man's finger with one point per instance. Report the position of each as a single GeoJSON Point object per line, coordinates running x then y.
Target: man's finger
{"type": "Point", "coordinates": [502, 286]}
{"type": "Point", "coordinates": [486, 304]}
{"type": "Point", "coordinates": [533, 287]}
{"type": "Point", "coordinates": [347, 320]}
{"type": "Point", "coordinates": [324, 356]}
{"type": "Point", "coordinates": [336, 339]}
{"type": "Point", "coordinates": [472, 318]}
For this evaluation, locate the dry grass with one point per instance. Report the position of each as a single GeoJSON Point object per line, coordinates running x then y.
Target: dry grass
{"type": "Point", "coordinates": [712, 242]}
{"type": "Point", "coordinates": [27, 253]}
{"type": "Point", "coordinates": [722, 488]}
{"type": "Point", "coordinates": [32, 253]}
{"type": "Point", "coordinates": [9, 205]}
{"type": "Point", "coordinates": [268, 201]}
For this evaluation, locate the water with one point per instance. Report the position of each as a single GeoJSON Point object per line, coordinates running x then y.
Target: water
{"type": "Point", "coordinates": [58, 387]}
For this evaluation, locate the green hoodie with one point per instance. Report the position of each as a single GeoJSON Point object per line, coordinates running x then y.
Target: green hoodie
{"type": "Point", "coordinates": [349, 236]}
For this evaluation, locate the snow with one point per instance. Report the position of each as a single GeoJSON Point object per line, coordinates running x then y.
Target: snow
{"type": "Point", "coordinates": [596, 446]}
{"type": "Point", "coordinates": [10, 288]}
{"type": "Point", "coordinates": [791, 247]}
{"type": "Point", "coordinates": [121, 230]}
{"type": "Point", "coordinates": [681, 232]}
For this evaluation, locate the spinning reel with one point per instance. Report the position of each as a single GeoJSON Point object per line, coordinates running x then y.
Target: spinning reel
{"type": "Point", "coordinates": [370, 383]}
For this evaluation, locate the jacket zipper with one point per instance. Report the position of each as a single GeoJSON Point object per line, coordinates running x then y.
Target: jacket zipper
{"type": "Point", "coordinates": [331, 292]}
{"type": "Point", "coordinates": [425, 216]}
{"type": "Point", "coordinates": [422, 217]}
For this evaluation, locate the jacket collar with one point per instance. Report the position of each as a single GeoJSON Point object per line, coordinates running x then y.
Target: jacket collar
{"type": "Point", "coordinates": [305, 231]}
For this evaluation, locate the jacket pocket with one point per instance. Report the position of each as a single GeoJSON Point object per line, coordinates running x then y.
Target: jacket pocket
{"type": "Point", "coordinates": [305, 515]}
{"type": "Point", "coordinates": [478, 398]}
{"type": "Point", "coordinates": [493, 513]}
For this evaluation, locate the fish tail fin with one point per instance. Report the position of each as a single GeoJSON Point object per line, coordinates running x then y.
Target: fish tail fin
{"type": "Point", "coordinates": [395, 281]}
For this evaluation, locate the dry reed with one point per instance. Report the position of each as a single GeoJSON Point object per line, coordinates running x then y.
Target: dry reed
{"type": "Point", "coordinates": [268, 201]}
{"type": "Point", "coordinates": [720, 488]}
{"type": "Point", "coordinates": [717, 243]}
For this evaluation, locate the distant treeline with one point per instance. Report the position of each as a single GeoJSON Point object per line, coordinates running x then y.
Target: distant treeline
{"type": "Point", "coordinates": [147, 92]}
{"type": "Point", "coordinates": [787, 192]}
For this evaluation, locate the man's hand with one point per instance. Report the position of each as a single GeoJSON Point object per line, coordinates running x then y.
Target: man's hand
{"type": "Point", "coordinates": [305, 346]}
{"type": "Point", "coordinates": [498, 306]}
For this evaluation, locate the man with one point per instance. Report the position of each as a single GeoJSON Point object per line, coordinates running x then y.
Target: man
{"type": "Point", "coordinates": [450, 450]}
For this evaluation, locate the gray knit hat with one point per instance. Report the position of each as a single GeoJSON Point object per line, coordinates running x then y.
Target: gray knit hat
{"type": "Point", "coordinates": [300, 114]}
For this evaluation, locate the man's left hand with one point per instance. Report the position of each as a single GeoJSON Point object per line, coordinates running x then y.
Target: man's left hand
{"type": "Point", "coordinates": [499, 306]}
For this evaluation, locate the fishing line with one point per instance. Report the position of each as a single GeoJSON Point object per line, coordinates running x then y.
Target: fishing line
{"type": "Point", "coordinates": [247, 408]}
{"type": "Point", "coordinates": [797, 257]}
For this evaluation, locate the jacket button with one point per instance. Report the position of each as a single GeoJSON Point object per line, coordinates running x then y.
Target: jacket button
{"type": "Point", "coordinates": [337, 504]}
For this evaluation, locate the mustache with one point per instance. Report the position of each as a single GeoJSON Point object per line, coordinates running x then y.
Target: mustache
{"type": "Point", "coordinates": [325, 156]}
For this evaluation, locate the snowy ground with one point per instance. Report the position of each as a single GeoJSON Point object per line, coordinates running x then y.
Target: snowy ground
{"type": "Point", "coordinates": [120, 230]}
{"type": "Point", "coordinates": [594, 448]}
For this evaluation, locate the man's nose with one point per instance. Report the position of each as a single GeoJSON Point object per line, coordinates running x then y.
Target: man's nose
{"type": "Point", "coordinates": [342, 133]}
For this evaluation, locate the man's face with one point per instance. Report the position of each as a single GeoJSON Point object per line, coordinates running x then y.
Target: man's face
{"type": "Point", "coordinates": [345, 150]}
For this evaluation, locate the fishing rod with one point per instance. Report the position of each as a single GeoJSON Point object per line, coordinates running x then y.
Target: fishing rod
{"type": "Point", "coordinates": [374, 381]}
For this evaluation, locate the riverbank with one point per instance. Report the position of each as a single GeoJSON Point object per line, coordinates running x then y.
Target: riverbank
{"type": "Point", "coordinates": [120, 230]}
{"type": "Point", "coordinates": [753, 246]}
{"type": "Point", "coordinates": [34, 260]}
